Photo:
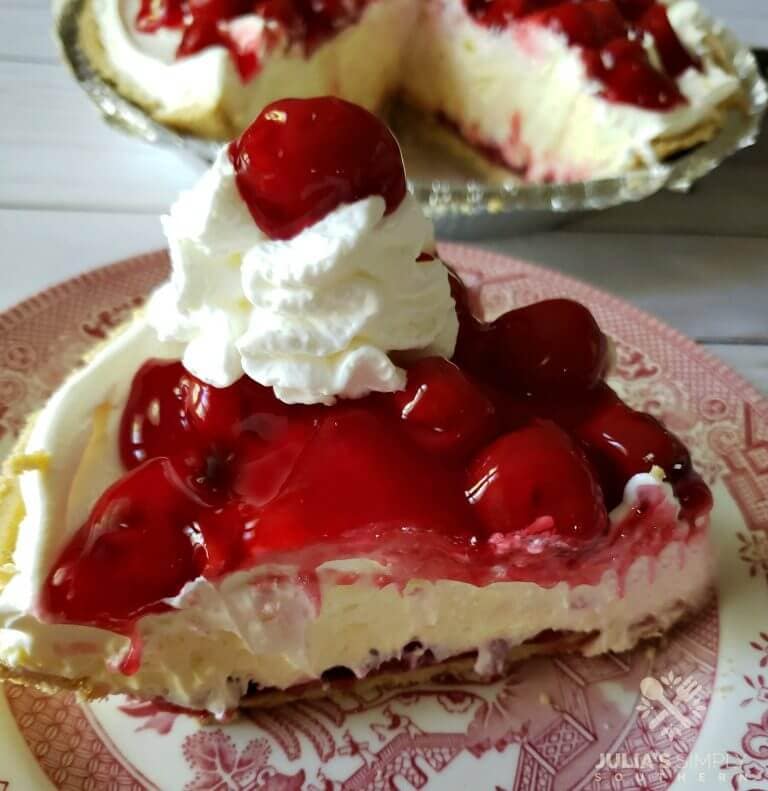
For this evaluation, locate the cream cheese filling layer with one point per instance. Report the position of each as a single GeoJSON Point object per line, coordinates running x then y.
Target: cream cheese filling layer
{"type": "Point", "coordinates": [260, 626]}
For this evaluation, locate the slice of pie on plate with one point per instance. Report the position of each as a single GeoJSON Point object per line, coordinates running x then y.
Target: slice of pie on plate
{"type": "Point", "coordinates": [307, 460]}
{"type": "Point", "coordinates": [546, 90]}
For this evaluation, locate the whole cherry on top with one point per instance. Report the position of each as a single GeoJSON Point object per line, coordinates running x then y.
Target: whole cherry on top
{"type": "Point", "coordinates": [302, 158]}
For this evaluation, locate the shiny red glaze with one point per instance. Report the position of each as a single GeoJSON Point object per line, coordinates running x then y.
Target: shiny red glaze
{"type": "Point", "coordinates": [630, 78]}
{"type": "Point", "coordinates": [622, 442]}
{"type": "Point", "coordinates": [608, 32]}
{"type": "Point", "coordinates": [589, 24]}
{"type": "Point", "coordinates": [554, 345]}
{"type": "Point", "coordinates": [302, 158]}
{"type": "Point", "coordinates": [138, 547]}
{"type": "Point", "coordinates": [443, 410]}
{"type": "Point", "coordinates": [462, 475]}
{"type": "Point", "coordinates": [359, 472]}
{"type": "Point", "coordinates": [169, 409]}
{"type": "Point", "coordinates": [536, 479]}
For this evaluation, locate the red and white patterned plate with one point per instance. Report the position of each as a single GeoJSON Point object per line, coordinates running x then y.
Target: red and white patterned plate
{"type": "Point", "coordinates": [558, 724]}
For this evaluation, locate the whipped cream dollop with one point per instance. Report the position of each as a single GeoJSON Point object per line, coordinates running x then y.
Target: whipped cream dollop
{"type": "Point", "coordinates": [316, 316]}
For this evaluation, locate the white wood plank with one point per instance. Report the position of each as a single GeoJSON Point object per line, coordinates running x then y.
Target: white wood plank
{"type": "Point", "coordinates": [57, 153]}
{"type": "Point", "coordinates": [750, 361]}
{"type": "Point", "coordinates": [41, 248]}
{"type": "Point", "coordinates": [26, 30]}
{"type": "Point", "coordinates": [747, 18]}
{"type": "Point", "coordinates": [708, 287]}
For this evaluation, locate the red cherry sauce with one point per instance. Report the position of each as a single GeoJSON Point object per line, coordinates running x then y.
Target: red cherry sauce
{"type": "Point", "coordinates": [608, 32]}
{"type": "Point", "coordinates": [498, 465]}
{"type": "Point", "coordinates": [226, 23]}
{"type": "Point", "coordinates": [302, 158]}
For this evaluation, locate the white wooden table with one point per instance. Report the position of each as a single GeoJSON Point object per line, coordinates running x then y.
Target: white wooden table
{"type": "Point", "coordinates": [75, 194]}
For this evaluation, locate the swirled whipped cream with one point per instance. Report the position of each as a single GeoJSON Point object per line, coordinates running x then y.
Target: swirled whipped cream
{"type": "Point", "coordinates": [315, 316]}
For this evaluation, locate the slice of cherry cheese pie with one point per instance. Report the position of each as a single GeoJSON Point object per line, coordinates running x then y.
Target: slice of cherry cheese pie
{"type": "Point", "coordinates": [306, 454]}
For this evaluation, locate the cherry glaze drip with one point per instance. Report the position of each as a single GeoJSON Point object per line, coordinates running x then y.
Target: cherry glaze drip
{"type": "Point", "coordinates": [485, 468]}
{"type": "Point", "coordinates": [207, 23]}
{"type": "Point", "coordinates": [608, 33]}
{"type": "Point", "coordinates": [302, 158]}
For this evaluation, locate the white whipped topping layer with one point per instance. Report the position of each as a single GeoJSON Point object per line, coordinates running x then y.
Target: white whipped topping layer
{"type": "Point", "coordinates": [314, 316]}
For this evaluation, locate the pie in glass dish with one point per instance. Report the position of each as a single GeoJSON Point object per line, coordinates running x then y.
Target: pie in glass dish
{"type": "Point", "coordinates": [307, 462]}
{"type": "Point", "coordinates": [543, 90]}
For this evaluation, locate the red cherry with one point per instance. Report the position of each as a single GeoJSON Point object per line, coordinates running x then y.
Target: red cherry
{"type": "Point", "coordinates": [500, 13]}
{"type": "Point", "coordinates": [170, 412]}
{"type": "Point", "coordinates": [226, 533]}
{"type": "Point", "coordinates": [214, 414]}
{"type": "Point", "coordinates": [137, 548]}
{"type": "Point", "coordinates": [154, 421]}
{"type": "Point", "coordinates": [301, 158]}
{"type": "Point", "coordinates": [622, 442]}
{"type": "Point", "coordinates": [536, 478]}
{"type": "Point", "coordinates": [673, 54]}
{"type": "Point", "coordinates": [551, 346]}
{"type": "Point", "coordinates": [444, 411]}
{"type": "Point", "coordinates": [588, 24]}
{"type": "Point", "coordinates": [262, 466]}
{"type": "Point", "coordinates": [629, 78]}
{"type": "Point", "coordinates": [632, 10]}
{"type": "Point", "coordinates": [360, 473]}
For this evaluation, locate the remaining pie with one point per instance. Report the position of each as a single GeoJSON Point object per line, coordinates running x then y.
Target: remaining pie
{"type": "Point", "coordinates": [549, 90]}
{"type": "Point", "coordinates": [306, 459]}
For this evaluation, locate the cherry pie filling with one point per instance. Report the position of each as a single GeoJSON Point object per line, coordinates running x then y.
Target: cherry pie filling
{"type": "Point", "coordinates": [608, 32]}
{"type": "Point", "coordinates": [500, 464]}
